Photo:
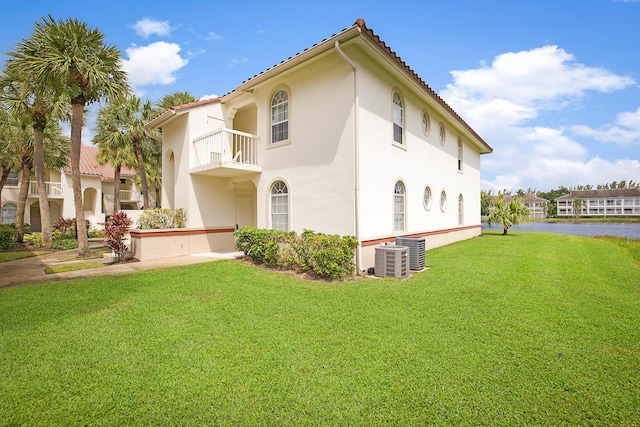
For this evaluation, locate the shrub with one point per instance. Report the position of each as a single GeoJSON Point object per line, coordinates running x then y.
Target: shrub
{"type": "Point", "coordinates": [115, 230]}
{"type": "Point", "coordinates": [7, 236]}
{"type": "Point", "coordinates": [64, 243]}
{"type": "Point", "coordinates": [34, 239]}
{"type": "Point", "coordinates": [94, 233]}
{"type": "Point", "coordinates": [162, 218]}
{"type": "Point", "coordinates": [326, 256]}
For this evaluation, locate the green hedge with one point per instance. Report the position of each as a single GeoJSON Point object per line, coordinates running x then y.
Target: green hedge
{"type": "Point", "coordinates": [7, 236]}
{"type": "Point", "coordinates": [326, 256]}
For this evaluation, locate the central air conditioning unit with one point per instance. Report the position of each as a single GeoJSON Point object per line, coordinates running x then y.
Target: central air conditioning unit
{"type": "Point", "coordinates": [417, 249]}
{"type": "Point", "coordinates": [392, 261]}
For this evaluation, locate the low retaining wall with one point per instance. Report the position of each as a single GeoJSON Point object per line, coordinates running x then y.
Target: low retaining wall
{"type": "Point", "coordinates": [157, 244]}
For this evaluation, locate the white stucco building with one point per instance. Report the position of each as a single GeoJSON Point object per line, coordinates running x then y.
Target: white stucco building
{"type": "Point", "coordinates": [342, 138]}
{"type": "Point", "coordinates": [97, 192]}
{"type": "Point", "coordinates": [600, 203]}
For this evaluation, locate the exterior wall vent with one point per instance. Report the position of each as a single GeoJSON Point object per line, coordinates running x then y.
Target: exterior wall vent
{"type": "Point", "coordinates": [417, 249]}
{"type": "Point", "coordinates": [392, 261]}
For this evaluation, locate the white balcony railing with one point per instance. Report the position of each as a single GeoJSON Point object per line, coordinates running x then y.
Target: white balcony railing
{"type": "Point", "coordinates": [53, 189]}
{"type": "Point", "coordinates": [225, 146]}
{"type": "Point", "coordinates": [129, 196]}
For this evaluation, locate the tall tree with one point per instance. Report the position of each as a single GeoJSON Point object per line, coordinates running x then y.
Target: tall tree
{"type": "Point", "coordinates": [508, 213]}
{"type": "Point", "coordinates": [126, 127]}
{"type": "Point", "coordinates": [173, 99]}
{"type": "Point", "coordinates": [75, 60]}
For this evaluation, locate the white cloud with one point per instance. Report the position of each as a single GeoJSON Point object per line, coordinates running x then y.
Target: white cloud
{"type": "Point", "coordinates": [625, 130]}
{"type": "Point", "coordinates": [210, 96]}
{"type": "Point", "coordinates": [147, 27]}
{"type": "Point", "coordinates": [153, 64]}
{"type": "Point", "coordinates": [236, 61]}
{"type": "Point", "coordinates": [501, 99]}
{"type": "Point", "coordinates": [213, 37]}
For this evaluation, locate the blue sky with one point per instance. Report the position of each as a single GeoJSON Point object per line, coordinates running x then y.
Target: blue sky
{"type": "Point", "coordinates": [552, 86]}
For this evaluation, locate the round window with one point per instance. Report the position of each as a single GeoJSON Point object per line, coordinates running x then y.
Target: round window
{"type": "Point", "coordinates": [443, 201]}
{"type": "Point", "coordinates": [426, 123]}
{"type": "Point", "coordinates": [427, 197]}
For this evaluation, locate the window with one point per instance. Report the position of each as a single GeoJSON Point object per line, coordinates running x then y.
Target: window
{"type": "Point", "coordinates": [443, 201]}
{"type": "Point", "coordinates": [398, 207]}
{"type": "Point", "coordinates": [9, 213]}
{"type": "Point", "coordinates": [459, 155]}
{"type": "Point", "coordinates": [442, 136]}
{"type": "Point", "coordinates": [279, 206]}
{"type": "Point", "coordinates": [398, 118]}
{"type": "Point", "coordinates": [460, 210]}
{"type": "Point", "coordinates": [426, 123]}
{"type": "Point", "coordinates": [426, 198]}
{"type": "Point", "coordinates": [280, 117]}
{"type": "Point", "coordinates": [12, 179]}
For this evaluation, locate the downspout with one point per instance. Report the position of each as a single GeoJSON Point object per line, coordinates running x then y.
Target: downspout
{"type": "Point", "coordinates": [356, 154]}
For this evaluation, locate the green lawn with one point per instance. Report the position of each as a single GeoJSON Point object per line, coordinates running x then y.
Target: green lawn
{"type": "Point", "coordinates": [523, 329]}
{"type": "Point", "coordinates": [12, 256]}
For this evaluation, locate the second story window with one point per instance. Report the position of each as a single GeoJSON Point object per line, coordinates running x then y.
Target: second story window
{"type": "Point", "coordinates": [12, 179]}
{"type": "Point", "coordinates": [280, 117]}
{"type": "Point", "coordinates": [459, 155]}
{"type": "Point", "coordinates": [398, 118]}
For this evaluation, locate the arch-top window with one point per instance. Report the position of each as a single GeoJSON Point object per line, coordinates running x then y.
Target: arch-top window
{"type": "Point", "coordinates": [460, 210]}
{"type": "Point", "coordinates": [9, 211]}
{"type": "Point", "coordinates": [442, 136]}
{"type": "Point", "coordinates": [443, 201]}
{"type": "Point", "coordinates": [398, 207]}
{"type": "Point", "coordinates": [398, 118]}
{"type": "Point", "coordinates": [459, 155]}
{"type": "Point", "coordinates": [280, 116]}
{"type": "Point", "coordinates": [279, 206]}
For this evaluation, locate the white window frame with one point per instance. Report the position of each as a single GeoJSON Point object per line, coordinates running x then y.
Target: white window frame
{"type": "Point", "coordinates": [399, 201]}
{"type": "Point", "coordinates": [279, 205]}
{"type": "Point", "coordinates": [427, 202]}
{"type": "Point", "coordinates": [443, 200]}
{"type": "Point", "coordinates": [425, 123]}
{"type": "Point", "coordinates": [285, 104]}
{"type": "Point", "coordinates": [12, 179]}
{"type": "Point", "coordinates": [460, 155]}
{"type": "Point", "coordinates": [398, 114]}
{"type": "Point", "coordinates": [442, 134]}
{"type": "Point", "coordinates": [6, 219]}
{"type": "Point", "coordinates": [460, 210]}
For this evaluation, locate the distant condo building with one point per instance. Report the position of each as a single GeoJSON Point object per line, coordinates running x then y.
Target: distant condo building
{"type": "Point", "coordinates": [600, 203]}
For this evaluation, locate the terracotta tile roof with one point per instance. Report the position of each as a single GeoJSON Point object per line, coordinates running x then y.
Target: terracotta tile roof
{"type": "Point", "coordinates": [90, 166]}
{"type": "Point", "coordinates": [360, 23]}
{"type": "Point", "coordinates": [597, 194]}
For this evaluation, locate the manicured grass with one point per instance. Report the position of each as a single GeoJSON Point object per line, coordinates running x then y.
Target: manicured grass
{"type": "Point", "coordinates": [523, 329]}
{"type": "Point", "coordinates": [12, 256]}
{"type": "Point", "coordinates": [60, 268]}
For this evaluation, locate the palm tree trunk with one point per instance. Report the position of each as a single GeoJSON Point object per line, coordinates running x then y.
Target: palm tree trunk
{"type": "Point", "coordinates": [77, 111]}
{"type": "Point", "coordinates": [116, 189]}
{"type": "Point", "coordinates": [23, 193]}
{"type": "Point", "coordinates": [38, 163]}
{"type": "Point", "coordinates": [143, 175]}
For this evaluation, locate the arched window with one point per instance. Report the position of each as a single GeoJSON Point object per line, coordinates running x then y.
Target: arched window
{"type": "Point", "coordinates": [279, 206]}
{"type": "Point", "coordinates": [280, 116]}
{"type": "Point", "coordinates": [459, 155]}
{"type": "Point", "coordinates": [460, 210]}
{"type": "Point", "coordinates": [443, 201]}
{"type": "Point", "coordinates": [398, 207]}
{"type": "Point", "coordinates": [9, 213]}
{"type": "Point", "coordinates": [398, 118]}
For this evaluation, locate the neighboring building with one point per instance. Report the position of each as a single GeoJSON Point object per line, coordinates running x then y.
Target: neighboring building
{"type": "Point", "coordinates": [601, 203]}
{"type": "Point", "coordinates": [538, 207]}
{"type": "Point", "coordinates": [342, 138]}
{"type": "Point", "coordinates": [97, 192]}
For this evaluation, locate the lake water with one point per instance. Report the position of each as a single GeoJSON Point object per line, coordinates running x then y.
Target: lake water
{"type": "Point", "coordinates": [623, 229]}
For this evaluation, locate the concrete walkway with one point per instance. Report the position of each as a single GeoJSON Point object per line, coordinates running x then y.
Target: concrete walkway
{"type": "Point", "coordinates": [31, 270]}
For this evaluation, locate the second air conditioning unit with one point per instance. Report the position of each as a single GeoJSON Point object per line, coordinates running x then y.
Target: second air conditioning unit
{"type": "Point", "coordinates": [392, 261]}
{"type": "Point", "coordinates": [417, 249]}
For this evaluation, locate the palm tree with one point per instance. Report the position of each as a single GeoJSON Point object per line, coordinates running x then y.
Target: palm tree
{"type": "Point", "coordinates": [577, 206]}
{"type": "Point", "coordinates": [508, 213]}
{"type": "Point", "coordinates": [173, 99]}
{"type": "Point", "coordinates": [126, 126]}
{"type": "Point", "coordinates": [38, 105]}
{"type": "Point", "coordinates": [113, 147]}
{"type": "Point", "coordinates": [75, 60]}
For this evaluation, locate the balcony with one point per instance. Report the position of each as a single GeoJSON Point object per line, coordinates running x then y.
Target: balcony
{"type": "Point", "coordinates": [53, 189]}
{"type": "Point", "coordinates": [129, 195]}
{"type": "Point", "coordinates": [225, 153]}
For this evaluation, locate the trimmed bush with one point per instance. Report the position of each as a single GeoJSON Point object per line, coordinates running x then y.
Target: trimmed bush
{"type": "Point", "coordinates": [34, 239]}
{"type": "Point", "coordinates": [7, 236]}
{"type": "Point", "coordinates": [162, 218]}
{"type": "Point", "coordinates": [326, 256]}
